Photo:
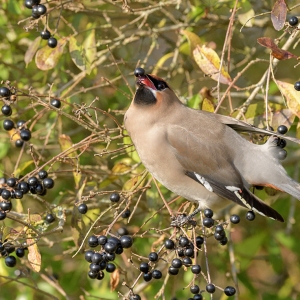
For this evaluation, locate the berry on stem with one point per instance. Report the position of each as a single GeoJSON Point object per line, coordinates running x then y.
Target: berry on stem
{"type": "Point", "coordinates": [52, 43]}
{"type": "Point", "coordinates": [82, 208]}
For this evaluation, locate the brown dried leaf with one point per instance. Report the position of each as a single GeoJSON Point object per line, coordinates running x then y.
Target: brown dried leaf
{"type": "Point", "coordinates": [209, 62]}
{"type": "Point", "coordinates": [276, 51]}
{"type": "Point", "coordinates": [47, 58]}
{"type": "Point", "coordinates": [34, 255]}
{"type": "Point", "coordinates": [278, 14]}
{"type": "Point", "coordinates": [114, 279]}
{"type": "Point", "coordinates": [34, 46]}
{"type": "Point", "coordinates": [291, 96]}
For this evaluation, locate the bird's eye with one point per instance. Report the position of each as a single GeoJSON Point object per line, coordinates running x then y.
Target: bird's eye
{"type": "Point", "coordinates": [161, 86]}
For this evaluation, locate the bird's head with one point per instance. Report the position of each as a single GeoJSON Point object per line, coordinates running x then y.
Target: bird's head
{"type": "Point", "coordinates": [151, 89]}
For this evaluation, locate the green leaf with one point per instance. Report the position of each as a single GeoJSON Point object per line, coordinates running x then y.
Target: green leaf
{"type": "Point", "coordinates": [34, 46]}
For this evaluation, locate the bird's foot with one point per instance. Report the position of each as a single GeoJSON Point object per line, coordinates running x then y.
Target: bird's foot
{"type": "Point", "coordinates": [183, 219]}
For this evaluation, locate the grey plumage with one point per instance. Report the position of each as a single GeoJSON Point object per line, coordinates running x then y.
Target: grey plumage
{"type": "Point", "coordinates": [199, 155]}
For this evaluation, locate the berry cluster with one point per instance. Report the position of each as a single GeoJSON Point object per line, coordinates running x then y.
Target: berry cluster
{"type": "Point", "coordinates": [6, 249]}
{"type": "Point", "coordinates": [101, 260]}
{"type": "Point", "coordinates": [12, 189]}
{"type": "Point", "coordinates": [39, 10]}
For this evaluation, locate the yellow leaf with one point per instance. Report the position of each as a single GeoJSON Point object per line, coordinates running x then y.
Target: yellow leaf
{"type": "Point", "coordinates": [291, 96]}
{"type": "Point", "coordinates": [207, 105]}
{"type": "Point", "coordinates": [47, 58]}
{"type": "Point", "coordinates": [90, 51]}
{"type": "Point", "coordinates": [131, 183]}
{"type": "Point", "coordinates": [34, 255]}
{"type": "Point", "coordinates": [209, 62]}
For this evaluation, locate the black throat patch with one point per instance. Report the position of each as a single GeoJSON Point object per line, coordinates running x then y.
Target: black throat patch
{"type": "Point", "coordinates": [144, 96]}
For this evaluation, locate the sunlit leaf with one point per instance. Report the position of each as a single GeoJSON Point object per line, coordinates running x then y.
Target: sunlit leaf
{"type": "Point", "coordinates": [34, 255]}
{"type": "Point", "coordinates": [114, 279]}
{"type": "Point", "coordinates": [90, 51]}
{"type": "Point", "coordinates": [278, 14]}
{"type": "Point", "coordinates": [245, 18]}
{"type": "Point", "coordinates": [47, 58]}
{"type": "Point", "coordinates": [76, 52]}
{"type": "Point", "coordinates": [291, 96]}
{"type": "Point", "coordinates": [209, 62]}
{"type": "Point", "coordinates": [207, 105]}
{"type": "Point", "coordinates": [34, 46]}
{"type": "Point", "coordinates": [193, 39]}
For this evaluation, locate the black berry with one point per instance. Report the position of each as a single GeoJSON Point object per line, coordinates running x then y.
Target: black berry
{"type": "Point", "coordinates": [4, 92]}
{"type": "Point", "coordinates": [41, 9]}
{"type": "Point", "coordinates": [20, 123]}
{"type": "Point", "coordinates": [293, 21]}
{"type": "Point", "coordinates": [235, 219]}
{"type": "Point", "coordinates": [224, 241]}
{"type": "Point", "coordinates": [183, 241]}
{"type": "Point", "coordinates": [5, 206]}
{"type": "Point", "coordinates": [10, 261]}
{"type": "Point", "coordinates": [199, 241]}
{"type": "Point", "coordinates": [195, 289]}
{"type": "Point", "coordinates": [208, 222]}
{"type": "Point", "coordinates": [208, 213]}
{"type": "Point", "coordinates": [139, 72]}
{"type": "Point", "coordinates": [176, 263]}
{"type": "Point", "coordinates": [147, 276]}
{"type": "Point", "coordinates": [196, 269]}
{"type": "Point", "coordinates": [93, 241]}
{"type": "Point", "coordinates": [6, 110]}
{"type": "Point", "coordinates": [8, 124]}
{"type": "Point", "coordinates": [229, 291]}
{"type": "Point", "coordinates": [20, 252]}
{"type": "Point", "coordinates": [210, 288]}
{"type": "Point", "coordinates": [144, 267]}
{"type": "Point", "coordinates": [102, 239]}
{"type": "Point", "coordinates": [297, 86]}
{"type": "Point", "coordinates": [48, 183]}
{"type": "Point", "coordinates": [282, 129]}
{"type": "Point", "coordinates": [250, 216]}
{"type": "Point", "coordinates": [19, 143]}
{"type": "Point", "coordinates": [110, 268]}
{"type": "Point", "coordinates": [50, 218]}
{"type": "Point", "coordinates": [95, 268]}
{"type": "Point", "coordinates": [114, 197]}
{"type": "Point", "coordinates": [25, 134]}
{"type": "Point", "coordinates": [126, 241]}
{"type": "Point", "coordinates": [173, 271]}
{"type": "Point", "coordinates": [52, 43]}
{"type": "Point", "coordinates": [135, 297]}
{"type": "Point", "coordinates": [156, 274]}
{"type": "Point", "coordinates": [11, 182]}
{"type": "Point", "coordinates": [153, 256]}
{"type": "Point", "coordinates": [43, 174]}
{"type": "Point", "coordinates": [110, 247]}
{"type": "Point", "coordinates": [198, 297]}
{"type": "Point", "coordinates": [126, 214]}
{"type": "Point", "coordinates": [32, 181]}
{"type": "Point", "coordinates": [2, 215]}
{"type": "Point", "coordinates": [82, 208]}
{"type": "Point", "coordinates": [55, 102]}
{"type": "Point", "coordinates": [45, 34]}
{"type": "Point", "coordinates": [6, 194]}
{"type": "Point", "coordinates": [88, 255]}
{"type": "Point", "coordinates": [187, 261]}
{"type": "Point", "coordinates": [169, 244]}
{"type": "Point", "coordinates": [92, 275]}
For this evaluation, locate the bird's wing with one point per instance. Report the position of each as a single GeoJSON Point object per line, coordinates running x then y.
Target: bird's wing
{"type": "Point", "coordinates": [207, 161]}
{"type": "Point", "coordinates": [241, 126]}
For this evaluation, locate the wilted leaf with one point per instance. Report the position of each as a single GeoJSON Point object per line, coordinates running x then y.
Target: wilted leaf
{"type": "Point", "coordinates": [276, 51]}
{"type": "Point", "coordinates": [32, 50]}
{"type": "Point", "coordinates": [278, 14]}
{"type": "Point", "coordinates": [34, 255]}
{"type": "Point", "coordinates": [244, 18]}
{"type": "Point", "coordinates": [283, 117]}
{"type": "Point", "coordinates": [114, 279]}
{"type": "Point", "coordinates": [47, 58]}
{"type": "Point", "coordinates": [209, 62]}
{"type": "Point", "coordinates": [193, 39]}
{"type": "Point", "coordinates": [66, 143]}
{"type": "Point", "coordinates": [291, 96]}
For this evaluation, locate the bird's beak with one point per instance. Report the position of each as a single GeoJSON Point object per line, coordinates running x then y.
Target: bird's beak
{"type": "Point", "coordinates": [145, 80]}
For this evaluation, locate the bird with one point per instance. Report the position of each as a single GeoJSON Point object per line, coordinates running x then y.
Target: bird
{"type": "Point", "coordinates": [202, 156]}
